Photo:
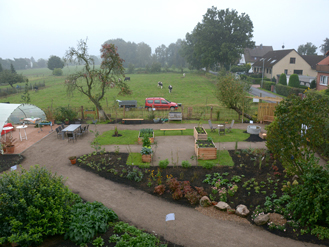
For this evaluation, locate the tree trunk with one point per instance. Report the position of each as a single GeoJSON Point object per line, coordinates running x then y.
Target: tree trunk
{"type": "Point", "coordinates": [240, 112]}
{"type": "Point", "coordinates": [100, 109]}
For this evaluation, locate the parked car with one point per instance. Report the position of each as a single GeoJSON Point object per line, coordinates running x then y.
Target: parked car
{"type": "Point", "coordinates": [127, 103]}
{"type": "Point", "coordinates": [160, 104]}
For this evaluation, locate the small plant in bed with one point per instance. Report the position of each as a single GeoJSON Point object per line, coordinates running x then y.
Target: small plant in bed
{"type": "Point", "coordinates": [205, 143]}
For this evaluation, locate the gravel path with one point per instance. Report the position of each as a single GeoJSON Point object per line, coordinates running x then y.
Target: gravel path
{"type": "Point", "coordinates": [191, 228]}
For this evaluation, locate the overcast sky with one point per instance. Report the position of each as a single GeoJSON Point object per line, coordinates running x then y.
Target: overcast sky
{"type": "Point", "coordinates": [41, 28]}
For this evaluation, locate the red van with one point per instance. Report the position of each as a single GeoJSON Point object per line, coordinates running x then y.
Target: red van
{"type": "Point", "coordinates": [160, 104]}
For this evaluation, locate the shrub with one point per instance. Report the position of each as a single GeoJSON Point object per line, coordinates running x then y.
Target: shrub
{"type": "Point", "coordinates": [294, 81]}
{"type": "Point", "coordinates": [62, 113]}
{"type": "Point", "coordinates": [208, 165]}
{"type": "Point", "coordinates": [163, 163]}
{"type": "Point", "coordinates": [283, 79]}
{"type": "Point", "coordinates": [160, 189]}
{"type": "Point", "coordinates": [57, 72]}
{"type": "Point", "coordinates": [135, 174]}
{"type": "Point", "coordinates": [273, 79]}
{"type": "Point", "coordinates": [313, 84]}
{"type": "Point", "coordinates": [33, 204]}
{"type": "Point", "coordinates": [186, 164]}
{"type": "Point", "coordinates": [88, 219]}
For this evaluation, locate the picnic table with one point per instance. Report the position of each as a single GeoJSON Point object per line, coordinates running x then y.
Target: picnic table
{"type": "Point", "coordinates": [71, 128]}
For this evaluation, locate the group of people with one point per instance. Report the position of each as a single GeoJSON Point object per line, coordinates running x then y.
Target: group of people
{"type": "Point", "coordinates": [160, 84]}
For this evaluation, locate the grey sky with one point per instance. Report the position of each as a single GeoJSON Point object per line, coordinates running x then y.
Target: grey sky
{"type": "Point", "coordinates": [41, 28]}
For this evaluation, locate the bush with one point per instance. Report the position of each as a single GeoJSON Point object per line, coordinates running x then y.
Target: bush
{"type": "Point", "coordinates": [283, 79]}
{"type": "Point", "coordinates": [33, 204]}
{"type": "Point", "coordinates": [88, 219]}
{"type": "Point", "coordinates": [273, 79]}
{"type": "Point", "coordinates": [186, 164]}
{"type": "Point", "coordinates": [208, 165]}
{"type": "Point", "coordinates": [294, 81]}
{"type": "Point", "coordinates": [313, 84]}
{"type": "Point", "coordinates": [62, 113]}
{"type": "Point", "coordinates": [163, 163]}
{"type": "Point", "coordinates": [286, 90]}
{"type": "Point", "coordinates": [267, 85]}
{"type": "Point", "coordinates": [57, 72]}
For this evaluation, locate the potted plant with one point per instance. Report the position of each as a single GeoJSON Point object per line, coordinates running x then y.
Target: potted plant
{"type": "Point", "coordinates": [66, 121]}
{"type": "Point", "coordinates": [73, 159]}
{"type": "Point", "coordinates": [8, 144]}
{"type": "Point", "coordinates": [146, 154]}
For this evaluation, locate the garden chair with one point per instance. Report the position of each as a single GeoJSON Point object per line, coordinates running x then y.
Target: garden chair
{"type": "Point", "coordinates": [80, 132]}
{"type": "Point", "coordinates": [212, 128]}
{"type": "Point", "coordinates": [229, 128]}
{"type": "Point", "coordinates": [63, 127]}
{"type": "Point", "coordinates": [59, 132]}
{"type": "Point", "coordinates": [70, 136]}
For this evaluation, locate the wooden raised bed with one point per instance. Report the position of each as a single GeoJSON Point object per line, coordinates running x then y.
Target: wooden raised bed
{"type": "Point", "coordinates": [206, 153]}
{"type": "Point", "coordinates": [198, 136]}
{"type": "Point", "coordinates": [140, 139]}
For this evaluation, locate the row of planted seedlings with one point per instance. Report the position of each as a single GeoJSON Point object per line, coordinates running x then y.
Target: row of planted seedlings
{"type": "Point", "coordinates": [204, 146]}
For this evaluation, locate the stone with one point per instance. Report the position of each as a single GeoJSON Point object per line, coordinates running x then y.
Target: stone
{"type": "Point", "coordinates": [222, 206]}
{"type": "Point", "coordinates": [205, 201]}
{"type": "Point", "coordinates": [261, 219]}
{"type": "Point", "coordinates": [242, 210]}
{"type": "Point", "coordinates": [277, 219]}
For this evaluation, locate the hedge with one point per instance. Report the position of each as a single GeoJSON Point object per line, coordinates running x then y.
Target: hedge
{"type": "Point", "coordinates": [286, 90]}
{"type": "Point", "coordinates": [267, 85]}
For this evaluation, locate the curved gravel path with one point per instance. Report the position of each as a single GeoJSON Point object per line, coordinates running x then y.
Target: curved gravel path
{"type": "Point", "coordinates": [190, 228]}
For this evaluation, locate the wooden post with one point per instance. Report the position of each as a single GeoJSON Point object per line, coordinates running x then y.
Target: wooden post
{"type": "Point", "coordinates": [124, 111]}
{"type": "Point", "coordinates": [242, 109]}
{"type": "Point", "coordinates": [82, 115]}
{"type": "Point", "coordinates": [260, 95]}
{"type": "Point", "coordinates": [210, 113]}
{"type": "Point", "coordinates": [182, 112]}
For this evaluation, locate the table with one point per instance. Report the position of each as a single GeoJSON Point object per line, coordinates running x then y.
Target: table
{"type": "Point", "coordinates": [71, 128]}
{"type": "Point", "coordinates": [48, 123]}
{"type": "Point", "coordinates": [6, 129]}
{"type": "Point", "coordinates": [221, 129]}
{"type": "Point", "coordinates": [32, 120]}
{"type": "Point", "coordinates": [19, 129]}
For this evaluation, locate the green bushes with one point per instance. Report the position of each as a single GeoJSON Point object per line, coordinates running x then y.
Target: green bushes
{"type": "Point", "coordinates": [62, 113]}
{"type": "Point", "coordinates": [208, 165]}
{"type": "Point", "coordinates": [33, 204]}
{"type": "Point", "coordinates": [57, 72]}
{"type": "Point", "coordinates": [186, 164]}
{"type": "Point", "coordinates": [283, 79]}
{"type": "Point", "coordinates": [286, 90]}
{"type": "Point", "coordinates": [163, 163]}
{"type": "Point", "coordinates": [86, 220]}
{"type": "Point", "coordinates": [267, 85]}
{"type": "Point", "coordinates": [294, 81]}
{"type": "Point", "coordinates": [313, 84]}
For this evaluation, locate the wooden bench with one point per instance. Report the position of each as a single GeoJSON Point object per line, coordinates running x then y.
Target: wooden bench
{"type": "Point", "coordinates": [268, 118]}
{"type": "Point", "coordinates": [175, 116]}
{"type": "Point", "coordinates": [181, 129]}
{"type": "Point", "coordinates": [132, 119]}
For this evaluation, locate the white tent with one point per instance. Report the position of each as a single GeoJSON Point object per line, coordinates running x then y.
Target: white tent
{"type": "Point", "coordinates": [13, 113]}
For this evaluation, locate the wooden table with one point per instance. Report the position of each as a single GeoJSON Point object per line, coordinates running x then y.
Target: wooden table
{"type": "Point", "coordinates": [71, 128]}
{"type": "Point", "coordinates": [32, 120]}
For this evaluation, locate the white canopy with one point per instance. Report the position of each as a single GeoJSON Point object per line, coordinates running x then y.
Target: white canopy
{"type": "Point", "coordinates": [13, 113]}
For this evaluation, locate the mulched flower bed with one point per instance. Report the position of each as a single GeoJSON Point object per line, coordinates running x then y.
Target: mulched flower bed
{"type": "Point", "coordinates": [9, 160]}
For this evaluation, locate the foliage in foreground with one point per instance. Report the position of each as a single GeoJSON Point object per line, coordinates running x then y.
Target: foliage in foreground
{"type": "Point", "coordinates": [88, 219]}
{"type": "Point", "coordinates": [33, 204]}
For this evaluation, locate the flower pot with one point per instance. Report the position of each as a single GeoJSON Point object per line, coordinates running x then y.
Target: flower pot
{"type": "Point", "coordinates": [73, 161]}
{"type": "Point", "coordinates": [10, 149]}
{"type": "Point", "coordinates": [146, 158]}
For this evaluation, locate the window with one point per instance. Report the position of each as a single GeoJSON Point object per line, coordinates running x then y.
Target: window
{"type": "Point", "coordinates": [286, 71]}
{"type": "Point", "coordinates": [267, 71]}
{"type": "Point", "coordinates": [270, 71]}
{"type": "Point", "coordinates": [254, 70]}
{"type": "Point", "coordinates": [150, 101]}
{"type": "Point", "coordinates": [298, 72]}
{"type": "Point", "coordinates": [324, 80]}
{"type": "Point", "coordinates": [156, 101]}
{"type": "Point", "coordinates": [164, 102]}
{"type": "Point", "coordinates": [292, 60]}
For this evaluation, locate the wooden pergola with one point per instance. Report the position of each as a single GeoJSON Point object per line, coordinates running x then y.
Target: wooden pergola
{"type": "Point", "coordinates": [265, 98]}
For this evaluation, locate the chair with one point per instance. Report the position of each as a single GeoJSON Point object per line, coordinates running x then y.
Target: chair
{"type": "Point", "coordinates": [213, 129]}
{"type": "Point", "coordinates": [229, 128]}
{"type": "Point", "coordinates": [59, 132]}
{"type": "Point", "coordinates": [70, 136]}
{"type": "Point", "coordinates": [95, 121]}
{"type": "Point", "coordinates": [80, 132]}
{"type": "Point", "coordinates": [63, 127]}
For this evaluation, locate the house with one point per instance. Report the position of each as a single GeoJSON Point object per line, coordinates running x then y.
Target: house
{"type": "Point", "coordinates": [323, 73]}
{"type": "Point", "coordinates": [286, 61]}
{"type": "Point", "coordinates": [251, 55]}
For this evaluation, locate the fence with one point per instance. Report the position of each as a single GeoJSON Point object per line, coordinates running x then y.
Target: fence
{"type": "Point", "coordinates": [265, 109]}
{"type": "Point", "coordinates": [20, 89]}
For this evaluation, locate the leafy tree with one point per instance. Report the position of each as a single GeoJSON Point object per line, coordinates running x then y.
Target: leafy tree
{"type": "Point", "coordinates": [94, 82]}
{"type": "Point", "coordinates": [220, 38]}
{"type": "Point", "coordinates": [55, 62]}
{"type": "Point", "coordinates": [307, 49]}
{"type": "Point", "coordinates": [12, 69]}
{"type": "Point", "coordinates": [26, 95]}
{"type": "Point", "coordinates": [286, 137]}
{"type": "Point", "coordinates": [273, 79]}
{"type": "Point", "coordinates": [1, 68]}
{"type": "Point", "coordinates": [156, 67]}
{"type": "Point", "coordinates": [325, 46]}
{"type": "Point", "coordinates": [231, 93]}
{"type": "Point", "coordinates": [283, 79]}
{"type": "Point", "coordinates": [42, 63]}
{"type": "Point", "coordinates": [294, 81]}
{"type": "Point", "coordinates": [131, 68]}
{"type": "Point", "coordinates": [6, 76]}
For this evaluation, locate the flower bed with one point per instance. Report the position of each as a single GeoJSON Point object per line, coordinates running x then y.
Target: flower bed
{"type": "Point", "coordinates": [200, 133]}
{"type": "Point", "coordinates": [205, 150]}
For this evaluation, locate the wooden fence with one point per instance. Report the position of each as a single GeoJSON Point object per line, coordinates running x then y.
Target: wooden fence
{"type": "Point", "coordinates": [265, 109]}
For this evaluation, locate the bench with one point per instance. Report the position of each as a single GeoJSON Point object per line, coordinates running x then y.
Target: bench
{"type": "Point", "coordinates": [132, 119]}
{"type": "Point", "coordinates": [268, 118]}
{"type": "Point", "coordinates": [175, 116]}
{"type": "Point", "coordinates": [164, 130]}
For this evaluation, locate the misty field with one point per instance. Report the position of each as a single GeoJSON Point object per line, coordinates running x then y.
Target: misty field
{"type": "Point", "coordinates": [195, 90]}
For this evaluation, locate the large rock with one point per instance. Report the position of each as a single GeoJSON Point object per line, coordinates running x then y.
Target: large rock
{"type": "Point", "coordinates": [222, 206]}
{"type": "Point", "coordinates": [205, 201]}
{"type": "Point", "coordinates": [261, 219]}
{"type": "Point", "coordinates": [277, 219]}
{"type": "Point", "coordinates": [241, 210]}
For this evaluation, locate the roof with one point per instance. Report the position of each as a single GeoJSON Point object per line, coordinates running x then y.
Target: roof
{"type": "Point", "coordinates": [258, 51]}
{"type": "Point", "coordinates": [324, 61]}
{"type": "Point", "coordinates": [271, 58]}
{"type": "Point", "coordinates": [312, 60]}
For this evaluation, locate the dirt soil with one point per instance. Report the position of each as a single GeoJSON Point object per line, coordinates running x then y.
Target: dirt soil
{"type": "Point", "coordinates": [142, 209]}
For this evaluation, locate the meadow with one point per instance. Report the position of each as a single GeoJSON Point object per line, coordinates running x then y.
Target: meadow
{"type": "Point", "coordinates": [196, 90]}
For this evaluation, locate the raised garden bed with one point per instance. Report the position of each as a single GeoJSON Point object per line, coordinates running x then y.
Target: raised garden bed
{"type": "Point", "coordinates": [145, 132]}
{"type": "Point", "coordinates": [205, 150]}
{"type": "Point", "coordinates": [200, 133]}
